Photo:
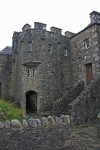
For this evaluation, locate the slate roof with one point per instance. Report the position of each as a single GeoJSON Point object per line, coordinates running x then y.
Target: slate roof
{"type": "Point", "coordinates": [97, 22]}
{"type": "Point", "coordinates": [88, 26]}
{"type": "Point", "coordinates": [6, 51]}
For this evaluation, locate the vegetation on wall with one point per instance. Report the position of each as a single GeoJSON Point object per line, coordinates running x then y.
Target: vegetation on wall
{"type": "Point", "coordinates": [9, 111]}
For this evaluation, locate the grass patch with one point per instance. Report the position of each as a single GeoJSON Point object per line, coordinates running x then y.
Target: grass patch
{"type": "Point", "coordinates": [8, 111]}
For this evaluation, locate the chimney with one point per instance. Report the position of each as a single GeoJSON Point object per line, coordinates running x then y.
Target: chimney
{"type": "Point", "coordinates": [56, 30]}
{"type": "Point", "coordinates": [94, 16]}
{"type": "Point", "coordinates": [39, 26]}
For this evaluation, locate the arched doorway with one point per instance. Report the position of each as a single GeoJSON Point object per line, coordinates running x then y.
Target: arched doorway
{"type": "Point", "coordinates": [31, 102]}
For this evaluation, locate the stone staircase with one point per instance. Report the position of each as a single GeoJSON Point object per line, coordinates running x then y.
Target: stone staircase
{"type": "Point", "coordinates": [82, 104]}
{"type": "Point", "coordinates": [86, 105]}
{"type": "Point", "coordinates": [61, 105]}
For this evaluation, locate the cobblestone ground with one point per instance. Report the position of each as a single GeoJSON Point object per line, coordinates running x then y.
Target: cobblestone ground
{"type": "Point", "coordinates": [84, 137]}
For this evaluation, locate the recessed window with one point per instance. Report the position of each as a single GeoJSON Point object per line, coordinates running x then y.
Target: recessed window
{"type": "Point", "coordinates": [29, 46]}
{"type": "Point", "coordinates": [28, 72]}
{"type": "Point", "coordinates": [65, 52]}
{"type": "Point", "coordinates": [33, 70]}
{"type": "Point", "coordinates": [86, 43]}
{"type": "Point", "coordinates": [50, 48]}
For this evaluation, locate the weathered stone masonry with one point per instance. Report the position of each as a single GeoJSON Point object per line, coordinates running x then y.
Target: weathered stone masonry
{"type": "Point", "coordinates": [44, 66]}
{"type": "Point", "coordinates": [51, 69]}
{"type": "Point", "coordinates": [33, 134]}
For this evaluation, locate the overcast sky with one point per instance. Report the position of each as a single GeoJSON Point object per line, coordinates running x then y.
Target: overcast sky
{"type": "Point", "coordinates": [69, 15]}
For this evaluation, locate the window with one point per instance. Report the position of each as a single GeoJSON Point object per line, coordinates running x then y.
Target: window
{"type": "Point", "coordinates": [86, 43]}
{"type": "Point", "coordinates": [65, 52]}
{"type": "Point", "coordinates": [33, 72]}
{"type": "Point", "coordinates": [28, 73]}
{"type": "Point", "coordinates": [50, 48]}
{"type": "Point", "coordinates": [29, 47]}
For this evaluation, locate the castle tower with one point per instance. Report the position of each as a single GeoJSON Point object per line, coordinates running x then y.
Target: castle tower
{"type": "Point", "coordinates": [41, 67]}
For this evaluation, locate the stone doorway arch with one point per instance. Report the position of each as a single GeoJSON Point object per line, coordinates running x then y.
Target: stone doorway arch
{"type": "Point", "coordinates": [31, 102]}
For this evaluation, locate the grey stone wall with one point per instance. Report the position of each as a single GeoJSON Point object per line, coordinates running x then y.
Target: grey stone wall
{"type": "Point", "coordinates": [80, 55]}
{"type": "Point", "coordinates": [33, 134]}
{"type": "Point", "coordinates": [6, 76]}
{"type": "Point", "coordinates": [61, 105]}
{"type": "Point", "coordinates": [52, 72]}
{"type": "Point", "coordinates": [49, 138]}
{"type": "Point", "coordinates": [58, 62]}
{"type": "Point", "coordinates": [87, 105]}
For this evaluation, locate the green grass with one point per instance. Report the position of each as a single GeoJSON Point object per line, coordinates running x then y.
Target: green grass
{"type": "Point", "coordinates": [8, 111]}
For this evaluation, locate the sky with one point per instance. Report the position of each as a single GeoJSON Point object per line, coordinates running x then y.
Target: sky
{"type": "Point", "coordinates": [69, 15]}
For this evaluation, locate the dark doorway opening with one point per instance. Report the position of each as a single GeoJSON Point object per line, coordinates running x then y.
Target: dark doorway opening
{"type": "Point", "coordinates": [89, 72]}
{"type": "Point", "coordinates": [31, 102]}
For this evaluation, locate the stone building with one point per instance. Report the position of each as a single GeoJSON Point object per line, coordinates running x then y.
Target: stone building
{"type": "Point", "coordinates": [43, 65]}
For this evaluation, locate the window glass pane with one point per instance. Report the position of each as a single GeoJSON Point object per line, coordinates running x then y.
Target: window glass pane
{"type": "Point", "coordinates": [29, 48]}
{"type": "Point", "coordinates": [65, 52]}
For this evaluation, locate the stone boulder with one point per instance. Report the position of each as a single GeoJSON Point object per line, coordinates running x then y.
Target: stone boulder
{"type": "Point", "coordinates": [15, 123]}
{"type": "Point", "coordinates": [32, 122]}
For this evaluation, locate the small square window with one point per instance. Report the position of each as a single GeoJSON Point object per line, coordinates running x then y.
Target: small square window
{"type": "Point", "coordinates": [29, 46]}
{"type": "Point", "coordinates": [50, 48]}
{"type": "Point", "coordinates": [86, 43]}
{"type": "Point", "coordinates": [30, 72]}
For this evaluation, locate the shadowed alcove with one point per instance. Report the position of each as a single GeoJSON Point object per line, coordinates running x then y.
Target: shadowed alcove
{"type": "Point", "coordinates": [31, 102]}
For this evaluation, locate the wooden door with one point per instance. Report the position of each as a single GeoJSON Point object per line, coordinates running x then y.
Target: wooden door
{"type": "Point", "coordinates": [89, 72]}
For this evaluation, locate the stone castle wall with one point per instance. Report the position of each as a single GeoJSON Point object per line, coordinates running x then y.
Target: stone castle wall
{"type": "Point", "coordinates": [6, 76]}
{"type": "Point", "coordinates": [87, 105]}
{"type": "Point", "coordinates": [33, 134]}
{"type": "Point", "coordinates": [48, 63]}
{"type": "Point", "coordinates": [61, 105]}
{"type": "Point", "coordinates": [52, 71]}
{"type": "Point", "coordinates": [80, 55]}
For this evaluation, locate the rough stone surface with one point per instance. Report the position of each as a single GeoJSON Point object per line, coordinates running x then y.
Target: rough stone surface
{"type": "Point", "coordinates": [7, 124]}
{"type": "Point", "coordinates": [85, 107]}
{"type": "Point", "coordinates": [51, 120]}
{"type": "Point", "coordinates": [1, 125]}
{"type": "Point", "coordinates": [43, 67]}
{"type": "Point", "coordinates": [24, 123]}
{"type": "Point", "coordinates": [58, 120]}
{"type": "Point", "coordinates": [66, 119]}
{"type": "Point", "coordinates": [15, 123]}
{"type": "Point", "coordinates": [38, 122]}
{"type": "Point", "coordinates": [48, 137]}
{"type": "Point", "coordinates": [61, 105]}
{"type": "Point", "coordinates": [32, 122]}
{"type": "Point", "coordinates": [44, 121]}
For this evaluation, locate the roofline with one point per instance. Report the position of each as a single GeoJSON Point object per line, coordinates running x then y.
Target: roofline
{"type": "Point", "coordinates": [86, 28]}
{"type": "Point", "coordinates": [94, 12]}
